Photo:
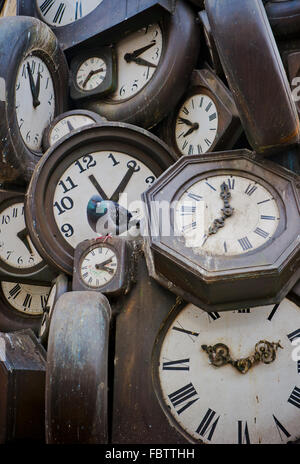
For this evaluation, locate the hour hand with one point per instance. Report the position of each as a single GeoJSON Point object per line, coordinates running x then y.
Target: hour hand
{"type": "Point", "coordinates": [139, 61]}
{"type": "Point", "coordinates": [23, 236]}
{"type": "Point", "coordinates": [139, 51]}
{"type": "Point", "coordinates": [35, 100]}
{"type": "Point", "coordinates": [186, 121]}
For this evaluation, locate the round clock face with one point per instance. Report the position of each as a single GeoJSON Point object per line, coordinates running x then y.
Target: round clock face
{"type": "Point", "coordinates": [98, 266]}
{"type": "Point", "coordinates": [91, 73]}
{"type": "Point", "coordinates": [111, 178]}
{"type": "Point", "coordinates": [57, 13]}
{"type": "Point", "coordinates": [196, 125]}
{"type": "Point", "coordinates": [67, 125]}
{"type": "Point", "coordinates": [252, 221]}
{"type": "Point", "coordinates": [138, 57]}
{"type": "Point", "coordinates": [28, 299]}
{"type": "Point", "coordinates": [220, 404]}
{"type": "Point", "coordinates": [35, 100]}
{"type": "Point", "coordinates": [16, 248]}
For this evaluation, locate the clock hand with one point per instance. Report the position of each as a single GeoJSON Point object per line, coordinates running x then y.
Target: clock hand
{"type": "Point", "coordinates": [70, 126]}
{"type": "Point", "coordinates": [194, 127]}
{"type": "Point", "coordinates": [108, 270]}
{"type": "Point", "coordinates": [98, 187]}
{"type": "Point", "coordinates": [91, 74]}
{"type": "Point", "coordinates": [139, 51]}
{"type": "Point", "coordinates": [227, 210]}
{"type": "Point", "coordinates": [141, 62]}
{"type": "Point", "coordinates": [37, 91]}
{"type": "Point", "coordinates": [219, 355]}
{"type": "Point", "coordinates": [103, 264]}
{"type": "Point", "coordinates": [121, 187]}
{"type": "Point", "coordinates": [23, 236]}
{"type": "Point", "coordinates": [35, 100]}
{"type": "Point", "coordinates": [186, 121]}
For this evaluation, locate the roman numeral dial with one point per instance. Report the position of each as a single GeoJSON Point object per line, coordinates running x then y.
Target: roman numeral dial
{"type": "Point", "coordinates": [27, 299]}
{"type": "Point", "coordinates": [196, 125]}
{"type": "Point", "coordinates": [252, 223]}
{"type": "Point", "coordinates": [60, 13]}
{"type": "Point", "coordinates": [220, 405]}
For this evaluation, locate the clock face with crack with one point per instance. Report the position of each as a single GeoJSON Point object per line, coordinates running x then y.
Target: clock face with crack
{"type": "Point", "coordinates": [209, 399]}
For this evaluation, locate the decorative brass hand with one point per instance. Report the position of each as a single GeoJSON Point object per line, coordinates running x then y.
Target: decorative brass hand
{"type": "Point", "coordinates": [227, 210]}
{"type": "Point", "coordinates": [219, 355]}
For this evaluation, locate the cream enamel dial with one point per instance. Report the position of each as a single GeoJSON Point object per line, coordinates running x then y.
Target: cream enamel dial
{"type": "Point", "coordinates": [196, 125]}
{"type": "Point", "coordinates": [113, 178]}
{"type": "Point", "coordinates": [57, 13]}
{"type": "Point", "coordinates": [219, 404]}
{"type": "Point", "coordinates": [16, 248]}
{"type": "Point", "coordinates": [28, 299]}
{"type": "Point", "coordinates": [138, 57]}
{"type": "Point", "coordinates": [67, 125]}
{"type": "Point", "coordinates": [98, 266]}
{"type": "Point", "coordinates": [91, 73]}
{"type": "Point", "coordinates": [35, 100]}
{"type": "Point", "coordinates": [253, 222]}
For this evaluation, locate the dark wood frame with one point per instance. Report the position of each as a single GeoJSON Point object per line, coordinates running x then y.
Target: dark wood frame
{"type": "Point", "coordinates": [110, 18]}
{"type": "Point", "coordinates": [229, 125]}
{"type": "Point", "coordinates": [109, 82]}
{"type": "Point", "coordinates": [225, 283]}
{"type": "Point", "coordinates": [21, 37]}
{"type": "Point", "coordinates": [41, 224]}
{"type": "Point", "coordinates": [181, 41]}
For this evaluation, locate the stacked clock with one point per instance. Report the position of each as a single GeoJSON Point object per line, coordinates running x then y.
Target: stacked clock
{"type": "Point", "coordinates": [138, 209]}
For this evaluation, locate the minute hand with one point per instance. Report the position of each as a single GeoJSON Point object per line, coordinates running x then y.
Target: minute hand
{"type": "Point", "coordinates": [141, 50]}
{"type": "Point", "coordinates": [141, 62]}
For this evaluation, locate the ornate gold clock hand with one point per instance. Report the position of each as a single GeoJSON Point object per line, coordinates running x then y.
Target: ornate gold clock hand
{"type": "Point", "coordinates": [219, 355]}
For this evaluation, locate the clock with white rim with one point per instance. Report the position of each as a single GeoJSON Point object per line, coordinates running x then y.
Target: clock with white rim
{"type": "Point", "coordinates": [35, 82]}
{"type": "Point", "coordinates": [89, 185]}
{"type": "Point", "coordinates": [233, 222]}
{"type": "Point", "coordinates": [230, 377]}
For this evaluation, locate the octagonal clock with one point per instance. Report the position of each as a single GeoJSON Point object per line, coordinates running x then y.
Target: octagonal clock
{"type": "Point", "coordinates": [222, 230]}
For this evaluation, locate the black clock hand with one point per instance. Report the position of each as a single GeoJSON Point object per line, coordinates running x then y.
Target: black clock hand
{"type": "Point", "coordinates": [32, 86]}
{"type": "Point", "coordinates": [139, 51]}
{"type": "Point", "coordinates": [91, 74]}
{"type": "Point", "coordinates": [103, 264]}
{"type": "Point", "coordinates": [186, 121]}
{"type": "Point", "coordinates": [194, 127]}
{"type": "Point", "coordinates": [115, 196]}
{"type": "Point", "coordinates": [37, 91]}
{"type": "Point", "coordinates": [141, 62]}
{"type": "Point", "coordinates": [23, 236]}
{"type": "Point", "coordinates": [98, 187]}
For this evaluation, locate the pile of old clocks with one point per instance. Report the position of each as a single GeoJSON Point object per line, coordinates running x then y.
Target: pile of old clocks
{"type": "Point", "coordinates": [150, 221]}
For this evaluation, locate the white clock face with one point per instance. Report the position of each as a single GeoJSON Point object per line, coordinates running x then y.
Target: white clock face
{"type": "Point", "coordinates": [48, 308]}
{"type": "Point", "coordinates": [118, 177]}
{"type": "Point", "coordinates": [28, 299]}
{"type": "Point", "coordinates": [138, 57]}
{"type": "Point", "coordinates": [253, 222]}
{"type": "Point", "coordinates": [196, 125]}
{"type": "Point", "coordinates": [67, 125]}
{"type": "Point", "coordinates": [16, 248]}
{"type": "Point", "coordinates": [220, 404]}
{"type": "Point", "coordinates": [98, 267]}
{"type": "Point", "coordinates": [57, 13]}
{"type": "Point", "coordinates": [35, 100]}
{"type": "Point", "coordinates": [91, 73]}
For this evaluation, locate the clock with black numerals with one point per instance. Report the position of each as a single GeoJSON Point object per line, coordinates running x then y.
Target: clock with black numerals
{"type": "Point", "coordinates": [33, 92]}
{"type": "Point", "coordinates": [205, 120]}
{"type": "Point", "coordinates": [19, 260]}
{"type": "Point", "coordinates": [230, 377]}
{"type": "Point", "coordinates": [154, 64]}
{"type": "Point", "coordinates": [68, 122]}
{"type": "Point", "coordinates": [77, 21]}
{"type": "Point", "coordinates": [224, 230]}
{"type": "Point", "coordinates": [89, 185]}
{"type": "Point", "coordinates": [104, 265]}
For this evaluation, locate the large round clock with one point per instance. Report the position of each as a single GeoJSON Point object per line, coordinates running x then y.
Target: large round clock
{"type": "Point", "coordinates": [224, 230]}
{"type": "Point", "coordinates": [230, 377]}
{"type": "Point", "coordinates": [33, 90]}
{"type": "Point", "coordinates": [88, 185]}
{"type": "Point", "coordinates": [154, 63]}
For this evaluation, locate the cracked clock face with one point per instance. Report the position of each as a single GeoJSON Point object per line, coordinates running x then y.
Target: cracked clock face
{"type": "Point", "coordinates": [220, 404]}
{"type": "Point", "coordinates": [253, 221]}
